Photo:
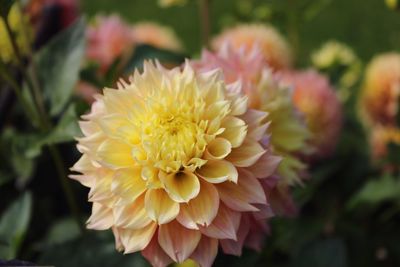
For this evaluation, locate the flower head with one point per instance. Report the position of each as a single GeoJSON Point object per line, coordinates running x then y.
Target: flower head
{"type": "Point", "coordinates": [23, 36]}
{"type": "Point", "coordinates": [314, 96]}
{"type": "Point", "coordinates": [108, 39]}
{"type": "Point", "coordinates": [173, 159]}
{"type": "Point", "coordinates": [380, 138]}
{"type": "Point", "coordinates": [381, 90]}
{"type": "Point", "coordinates": [156, 35]}
{"type": "Point", "coordinates": [274, 47]}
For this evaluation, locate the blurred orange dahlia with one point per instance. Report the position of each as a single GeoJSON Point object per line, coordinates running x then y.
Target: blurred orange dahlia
{"type": "Point", "coordinates": [315, 97]}
{"type": "Point", "coordinates": [156, 35]}
{"type": "Point", "coordinates": [273, 45]}
{"type": "Point", "coordinates": [379, 100]}
{"type": "Point", "coordinates": [108, 39]}
{"type": "Point", "coordinates": [173, 160]}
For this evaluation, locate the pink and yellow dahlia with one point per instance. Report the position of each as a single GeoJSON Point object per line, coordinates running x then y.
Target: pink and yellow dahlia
{"type": "Point", "coordinates": [287, 131]}
{"type": "Point", "coordinates": [314, 96]}
{"type": "Point", "coordinates": [273, 45]}
{"type": "Point", "coordinates": [156, 35]}
{"type": "Point", "coordinates": [174, 159]}
{"type": "Point", "coordinates": [379, 100]}
{"type": "Point", "coordinates": [108, 39]}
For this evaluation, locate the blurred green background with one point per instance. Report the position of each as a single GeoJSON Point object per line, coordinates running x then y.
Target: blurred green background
{"type": "Point", "coordinates": [366, 25]}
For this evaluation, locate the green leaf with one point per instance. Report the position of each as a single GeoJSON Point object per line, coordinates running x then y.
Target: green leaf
{"type": "Point", "coordinates": [13, 225]}
{"type": "Point", "coordinates": [146, 52]}
{"type": "Point", "coordinates": [58, 65]}
{"type": "Point", "coordinates": [5, 6]}
{"type": "Point", "coordinates": [90, 250]}
{"type": "Point", "coordinates": [376, 191]}
{"type": "Point", "coordinates": [62, 231]}
{"type": "Point", "coordinates": [322, 253]}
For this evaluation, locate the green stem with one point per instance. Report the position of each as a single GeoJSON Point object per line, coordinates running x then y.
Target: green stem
{"type": "Point", "coordinates": [204, 14]}
{"type": "Point", "coordinates": [293, 30]}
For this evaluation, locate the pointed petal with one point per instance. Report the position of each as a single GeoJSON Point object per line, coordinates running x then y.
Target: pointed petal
{"type": "Point", "coordinates": [127, 185]}
{"type": "Point", "coordinates": [225, 224]}
{"type": "Point", "coordinates": [138, 239]}
{"type": "Point", "coordinates": [177, 241]}
{"type": "Point", "coordinates": [235, 247]}
{"type": "Point", "coordinates": [240, 196]}
{"type": "Point", "coordinates": [115, 154]}
{"type": "Point", "coordinates": [203, 208]}
{"type": "Point", "coordinates": [155, 254]}
{"type": "Point", "coordinates": [101, 218]}
{"type": "Point", "coordinates": [181, 186]}
{"type": "Point", "coordinates": [132, 216]}
{"type": "Point", "coordinates": [247, 154]}
{"type": "Point", "coordinates": [265, 166]}
{"type": "Point", "coordinates": [235, 130]}
{"type": "Point", "coordinates": [160, 207]}
{"type": "Point", "coordinates": [205, 252]}
{"type": "Point", "coordinates": [218, 171]}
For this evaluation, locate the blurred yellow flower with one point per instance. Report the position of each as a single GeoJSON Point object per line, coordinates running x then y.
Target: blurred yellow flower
{"type": "Point", "coordinates": [380, 138]}
{"type": "Point", "coordinates": [169, 3]}
{"type": "Point", "coordinates": [156, 35]}
{"type": "Point", "coordinates": [273, 45]}
{"type": "Point", "coordinates": [173, 159]}
{"type": "Point", "coordinates": [23, 35]}
{"type": "Point", "coordinates": [392, 4]}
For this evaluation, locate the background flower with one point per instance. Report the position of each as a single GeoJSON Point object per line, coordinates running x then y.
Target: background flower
{"type": "Point", "coordinates": [273, 45]}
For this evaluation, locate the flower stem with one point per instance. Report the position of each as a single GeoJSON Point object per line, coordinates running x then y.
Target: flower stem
{"type": "Point", "coordinates": [204, 14]}
{"type": "Point", "coordinates": [292, 25]}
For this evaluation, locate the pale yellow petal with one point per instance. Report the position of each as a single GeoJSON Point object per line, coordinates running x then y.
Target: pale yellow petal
{"type": "Point", "coordinates": [115, 154]}
{"type": "Point", "coordinates": [181, 186]}
{"type": "Point", "coordinates": [247, 154]}
{"type": "Point", "coordinates": [132, 216]}
{"type": "Point", "coordinates": [160, 207]}
{"type": "Point", "coordinates": [127, 185]}
{"type": "Point", "coordinates": [137, 239]}
{"type": "Point", "coordinates": [218, 148]}
{"type": "Point", "coordinates": [235, 130]}
{"type": "Point", "coordinates": [101, 218]}
{"type": "Point", "coordinates": [218, 171]}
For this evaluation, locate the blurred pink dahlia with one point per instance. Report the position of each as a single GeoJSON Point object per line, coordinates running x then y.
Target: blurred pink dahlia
{"type": "Point", "coordinates": [174, 159]}
{"type": "Point", "coordinates": [273, 45]}
{"type": "Point", "coordinates": [156, 35]}
{"type": "Point", "coordinates": [380, 95]}
{"type": "Point", "coordinates": [108, 39]}
{"type": "Point", "coordinates": [314, 96]}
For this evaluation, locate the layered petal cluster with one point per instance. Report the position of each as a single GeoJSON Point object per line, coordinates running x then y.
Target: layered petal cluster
{"type": "Point", "coordinates": [174, 161]}
{"type": "Point", "coordinates": [23, 35]}
{"type": "Point", "coordinates": [287, 130]}
{"type": "Point", "coordinates": [107, 39]}
{"type": "Point", "coordinates": [315, 97]}
{"type": "Point", "coordinates": [274, 47]}
{"type": "Point", "coordinates": [156, 35]}
{"type": "Point", "coordinates": [379, 100]}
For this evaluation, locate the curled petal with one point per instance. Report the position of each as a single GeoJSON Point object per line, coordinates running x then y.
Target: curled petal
{"type": "Point", "coordinates": [240, 196]}
{"type": "Point", "coordinates": [218, 171]}
{"type": "Point", "coordinates": [181, 186]}
{"type": "Point", "coordinates": [132, 216]}
{"type": "Point", "coordinates": [235, 130]}
{"type": "Point", "coordinates": [203, 208]}
{"type": "Point", "coordinates": [225, 224]}
{"type": "Point", "coordinates": [218, 148]}
{"type": "Point", "coordinates": [177, 241]}
{"type": "Point", "coordinates": [205, 252]}
{"type": "Point", "coordinates": [137, 239]}
{"type": "Point", "coordinates": [115, 154]}
{"type": "Point", "coordinates": [160, 207]}
{"type": "Point", "coordinates": [247, 154]}
{"type": "Point", "coordinates": [101, 218]}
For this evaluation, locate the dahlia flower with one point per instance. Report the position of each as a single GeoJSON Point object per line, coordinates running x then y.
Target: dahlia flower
{"type": "Point", "coordinates": [273, 45]}
{"type": "Point", "coordinates": [314, 96]}
{"type": "Point", "coordinates": [23, 35]}
{"type": "Point", "coordinates": [108, 39]}
{"type": "Point", "coordinates": [380, 138]}
{"type": "Point", "coordinates": [156, 35]}
{"type": "Point", "coordinates": [381, 90]}
{"type": "Point", "coordinates": [174, 159]}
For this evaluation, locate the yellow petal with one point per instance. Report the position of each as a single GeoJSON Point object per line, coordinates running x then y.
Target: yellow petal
{"type": "Point", "coordinates": [177, 241]}
{"type": "Point", "coordinates": [115, 154]}
{"type": "Point", "coordinates": [132, 216]}
{"type": "Point", "coordinates": [235, 130]}
{"type": "Point", "coordinates": [127, 185]}
{"type": "Point", "coordinates": [160, 207]}
{"type": "Point", "coordinates": [119, 127]}
{"type": "Point", "coordinates": [181, 186]}
{"type": "Point", "coordinates": [137, 239]}
{"type": "Point", "coordinates": [240, 196]}
{"type": "Point", "coordinates": [203, 208]}
{"type": "Point", "coordinates": [218, 171]}
{"type": "Point", "coordinates": [101, 218]}
{"type": "Point", "coordinates": [218, 148]}
{"type": "Point", "coordinates": [247, 154]}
